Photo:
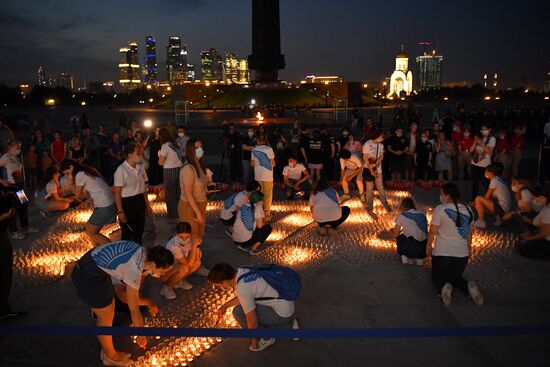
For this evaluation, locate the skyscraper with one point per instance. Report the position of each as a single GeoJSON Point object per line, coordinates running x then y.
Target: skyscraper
{"type": "Point", "coordinates": [430, 70]}
{"type": "Point", "coordinates": [174, 57]}
{"type": "Point", "coordinates": [244, 73]}
{"type": "Point", "coordinates": [231, 68]}
{"type": "Point", "coordinates": [41, 77]}
{"type": "Point", "coordinates": [129, 70]}
{"type": "Point", "coordinates": [150, 76]}
{"type": "Point", "coordinates": [206, 65]}
{"type": "Point", "coordinates": [65, 80]}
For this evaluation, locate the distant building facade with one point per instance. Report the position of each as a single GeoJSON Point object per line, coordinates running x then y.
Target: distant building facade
{"type": "Point", "coordinates": [430, 70]}
{"type": "Point", "coordinates": [312, 79]}
{"type": "Point", "coordinates": [401, 79]}
{"type": "Point", "coordinates": [41, 77]}
{"type": "Point", "coordinates": [150, 74]}
{"type": "Point", "coordinates": [129, 69]}
{"type": "Point", "coordinates": [174, 57]}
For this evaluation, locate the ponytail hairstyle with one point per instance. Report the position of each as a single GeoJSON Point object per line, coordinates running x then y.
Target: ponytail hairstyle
{"type": "Point", "coordinates": [78, 167]}
{"type": "Point", "coordinates": [256, 197]}
{"type": "Point", "coordinates": [452, 190]}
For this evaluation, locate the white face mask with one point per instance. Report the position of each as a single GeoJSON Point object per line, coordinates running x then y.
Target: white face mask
{"type": "Point", "coordinates": [466, 134]}
{"type": "Point", "coordinates": [181, 135]}
{"type": "Point", "coordinates": [199, 152]}
{"type": "Point", "coordinates": [345, 133]}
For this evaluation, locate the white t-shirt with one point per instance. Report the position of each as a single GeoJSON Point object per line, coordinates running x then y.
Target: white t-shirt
{"type": "Point", "coordinates": [413, 224]}
{"type": "Point", "coordinates": [547, 129]}
{"type": "Point", "coordinates": [178, 247]}
{"type": "Point", "coordinates": [373, 150]}
{"type": "Point", "coordinates": [451, 240]}
{"type": "Point", "coordinates": [524, 203]}
{"type": "Point", "coordinates": [12, 164]}
{"type": "Point", "coordinates": [132, 180]}
{"type": "Point", "coordinates": [352, 164]}
{"type": "Point", "coordinates": [245, 222]}
{"type": "Point", "coordinates": [326, 206]}
{"type": "Point", "coordinates": [250, 288]}
{"type": "Point", "coordinates": [232, 204]}
{"type": "Point", "coordinates": [122, 260]}
{"type": "Point", "coordinates": [51, 188]}
{"type": "Point", "coordinates": [172, 160]}
{"type": "Point", "coordinates": [501, 194]}
{"type": "Point", "coordinates": [485, 158]}
{"type": "Point", "coordinates": [543, 218]}
{"type": "Point", "coordinates": [294, 173]}
{"type": "Point", "coordinates": [97, 189]}
{"type": "Point", "coordinates": [263, 169]}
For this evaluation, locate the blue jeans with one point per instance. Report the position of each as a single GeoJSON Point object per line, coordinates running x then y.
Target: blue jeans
{"type": "Point", "coordinates": [267, 318]}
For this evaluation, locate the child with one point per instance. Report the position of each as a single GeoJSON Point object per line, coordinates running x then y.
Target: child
{"type": "Point", "coordinates": [48, 193]}
{"type": "Point", "coordinates": [232, 204]}
{"type": "Point", "coordinates": [351, 167]}
{"type": "Point", "coordinates": [32, 166]}
{"type": "Point", "coordinates": [410, 232]}
{"type": "Point", "coordinates": [423, 156]}
{"type": "Point", "coordinates": [295, 177]}
{"type": "Point", "coordinates": [47, 161]}
{"type": "Point", "coordinates": [497, 200]}
{"type": "Point", "coordinates": [249, 229]}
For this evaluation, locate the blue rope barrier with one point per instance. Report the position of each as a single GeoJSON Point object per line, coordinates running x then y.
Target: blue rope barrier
{"type": "Point", "coordinates": [522, 330]}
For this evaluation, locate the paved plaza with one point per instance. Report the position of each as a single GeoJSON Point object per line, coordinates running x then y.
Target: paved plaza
{"type": "Point", "coordinates": [352, 279]}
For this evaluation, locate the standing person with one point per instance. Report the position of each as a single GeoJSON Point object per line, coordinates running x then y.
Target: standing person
{"type": "Point", "coordinates": [443, 161]}
{"type": "Point", "coordinates": [351, 167]}
{"type": "Point", "coordinates": [182, 139]}
{"type": "Point", "coordinates": [115, 153]}
{"type": "Point", "coordinates": [7, 211]}
{"type": "Point", "coordinates": [498, 198]}
{"type": "Point", "coordinates": [536, 245]}
{"type": "Point", "coordinates": [76, 151]}
{"type": "Point", "coordinates": [88, 181]}
{"type": "Point", "coordinates": [155, 172]}
{"type": "Point", "coordinates": [325, 208]}
{"type": "Point", "coordinates": [14, 177]}
{"type": "Point", "coordinates": [482, 150]}
{"type": "Point", "coordinates": [295, 138]}
{"type": "Point", "coordinates": [464, 156]}
{"type": "Point", "coordinates": [315, 156]}
{"type": "Point", "coordinates": [329, 152]}
{"type": "Point", "coordinates": [451, 231]}
{"type": "Point", "coordinates": [423, 156]}
{"type": "Point", "coordinates": [31, 165]}
{"type": "Point", "coordinates": [353, 145]}
{"type": "Point", "coordinates": [369, 129]}
{"type": "Point", "coordinates": [232, 204]}
{"type": "Point", "coordinates": [411, 139]}
{"type": "Point", "coordinates": [248, 143]}
{"type": "Point", "coordinates": [41, 143]}
{"type": "Point", "coordinates": [373, 155]}
{"type": "Point", "coordinates": [303, 143]}
{"type": "Point", "coordinates": [104, 158]}
{"type": "Point", "coordinates": [130, 190]}
{"type": "Point", "coordinates": [6, 134]}
{"type": "Point", "coordinates": [124, 261]}
{"type": "Point", "coordinates": [193, 188]}
{"type": "Point", "coordinates": [90, 142]}
{"type": "Point", "coordinates": [517, 144]}
{"type": "Point", "coordinates": [410, 232]}
{"type": "Point", "coordinates": [249, 228]}
{"type": "Point", "coordinates": [48, 193]}
{"type": "Point", "coordinates": [263, 161]}
{"type": "Point", "coordinates": [296, 178]}
{"type": "Point", "coordinates": [502, 152]}
{"type": "Point", "coordinates": [235, 153]}
{"type": "Point", "coordinates": [397, 150]}
{"type": "Point", "coordinates": [170, 158]}
{"type": "Point", "coordinates": [281, 153]}
{"type": "Point", "coordinates": [58, 148]}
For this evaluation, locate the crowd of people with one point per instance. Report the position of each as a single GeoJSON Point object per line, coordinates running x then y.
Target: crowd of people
{"type": "Point", "coordinates": [116, 175]}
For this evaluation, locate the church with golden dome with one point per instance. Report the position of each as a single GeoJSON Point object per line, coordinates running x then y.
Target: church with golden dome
{"type": "Point", "coordinates": [402, 77]}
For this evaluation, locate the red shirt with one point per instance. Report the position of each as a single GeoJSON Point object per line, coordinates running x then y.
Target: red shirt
{"type": "Point", "coordinates": [466, 143]}
{"type": "Point", "coordinates": [456, 137]}
{"type": "Point", "coordinates": [502, 145]}
{"type": "Point", "coordinates": [518, 140]}
{"type": "Point", "coordinates": [58, 150]}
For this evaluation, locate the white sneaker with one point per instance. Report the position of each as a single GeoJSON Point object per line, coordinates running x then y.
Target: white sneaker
{"type": "Point", "coordinates": [30, 230]}
{"type": "Point", "coordinates": [17, 236]}
{"type": "Point", "coordinates": [109, 362]}
{"type": "Point", "coordinates": [295, 326]}
{"type": "Point", "coordinates": [498, 222]}
{"type": "Point", "coordinates": [183, 284]}
{"type": "Point", "coordinates": [476, 295]}
{"type": "Point", "coordinates": [480, 224]}
{"type": "Point", "coordinates": [202, 271]}
{"type": "Point", "coordinates": [419, 262]}
{"type": "Point", "coordinates": [263, 344]}
{"type": "Point", "coordinates": [405, 260]}
{"type": "Point", "coordinates": [447, 294]}
{"type": "Point", "coordinates": [168, 293]}
{"type": "Point", "coordinates": [243, 249]}
{"type": "Point", "coordinates": [229, 233]}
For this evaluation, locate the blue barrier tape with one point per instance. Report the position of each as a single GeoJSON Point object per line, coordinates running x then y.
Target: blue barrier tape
{"type": "Point", "coordinates": [283, 333]}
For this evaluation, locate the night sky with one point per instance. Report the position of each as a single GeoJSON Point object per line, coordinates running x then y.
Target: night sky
{"type": "Point", "coordinates": [354, 39]}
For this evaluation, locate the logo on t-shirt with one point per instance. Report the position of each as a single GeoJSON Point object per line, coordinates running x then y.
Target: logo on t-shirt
{"type": "Point", "coordinates": [464, 228]}
{"type": "Point", "coordinates": [331, 194]}
{"type": "Point", "coordinates": [115, 254]}
{"type": "Point", "coordinates": [263, 159]}
{"type": "Point", "coordinates": [248, 217]}
{"type": "Point", "coordinates": [419, 219]}
{"type": "Point", "coordinates": [227, 204]}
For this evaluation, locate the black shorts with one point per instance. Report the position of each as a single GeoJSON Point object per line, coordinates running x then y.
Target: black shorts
{"type": "Point", "coordinates": [498, 211]}
{"type": "Point", "coordinates": [229, 222]}
{"type": "Point", "coordinates": [368, 176]}
{"type": "Point", "coordinates": [93, 285]}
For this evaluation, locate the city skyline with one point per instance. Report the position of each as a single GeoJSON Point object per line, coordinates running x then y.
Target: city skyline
{"type": "Point", "coordinates": [316, 37]}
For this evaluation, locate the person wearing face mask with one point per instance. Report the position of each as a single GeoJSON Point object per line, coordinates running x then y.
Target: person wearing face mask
{"type": "Point", "coordinates": [397, 150]}
{"type": "Point", "coordinates": [449, 245]}
{"type": "Point", "coordinates": [464, 156]}
{"type": "Point", "coordinates": [11, 162]}
{"type": "Point", "coordinates": [182, 138]}
{"type": "Point", "coordinates": [126, 261]}
{"type": "Point", "coordinates": [130, 189]}
{"type": "Point", "coordinates": [517, 144]}
{"type": "Point", "coordinates": [296, 178]}
{"type": "Point", "coordinates": [257, 304]}
{"type": "Point", "coordinates": [412, 138]}
{"type": "Point", "coordinates": [373, 155]}
{"type": "Point", "coordinates": [248, 143]}
{"type": "Point", "coordinates": [194, 183]}
{"type": "Point", "coordinates": [342, 140]}
{"type": "Point", "coordinates": [187, 260]}
{"type": "Point", "coordinates": [233, 143]}
{"type": "Point", "coordinates": [497, 200]}
{"type": "Point", "coordinates": [423, 156]}
{"type": "Point", "coordinates": [482, 150]}
{"type": "Point", "coordinates": [536, 244]}
{"type": "Point", "coordinates": [502, 152]}
{"type": "Point", "coordinates": [353, 145]}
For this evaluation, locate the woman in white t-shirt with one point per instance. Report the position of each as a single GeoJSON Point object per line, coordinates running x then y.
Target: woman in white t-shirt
{"type": "Point", "coordinates": [169, 158]}
{"type": "Point", "coordinates": [536, 245]}
{"type": "Point", "coordinates": [482, 150]}
{"type": "Point", "coordinates": [498, 198]}
{"type": "Point", "coordinates": [88, 182]}
{"type": "Point", "coordinates": [325, 208]}
{"type": "Point", "coordinates": [249, 229]}
{"type": "Point", "coordinates": [410, 232]}
{"type": "Point", "coordinates": [48, 193]}
{"type": "Point", "coordinates": [451, 231]}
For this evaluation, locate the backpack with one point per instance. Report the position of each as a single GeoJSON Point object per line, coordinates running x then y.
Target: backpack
{"type": "Point", "coordinates": [284, 280]}
{"type": "Point", "coordinates": [179, 153]}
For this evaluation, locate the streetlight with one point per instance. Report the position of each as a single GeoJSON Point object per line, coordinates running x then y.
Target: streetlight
{"type": "Point", "coordinates": [253, 102]}
{"type": "Point", "coordinates": [147, 123]}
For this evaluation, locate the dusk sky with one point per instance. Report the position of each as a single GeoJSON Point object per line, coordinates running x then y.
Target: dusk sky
{"type": "Point", "coordinates": [354, 39]}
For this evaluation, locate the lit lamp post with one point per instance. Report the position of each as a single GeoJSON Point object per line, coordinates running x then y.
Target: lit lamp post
{"type": "Point", "coordinates": [384, 89]}
{"type": "Point", "coordinates": [148, 124]}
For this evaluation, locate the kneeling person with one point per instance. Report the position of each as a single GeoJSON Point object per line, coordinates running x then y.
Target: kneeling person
{"type": "Point", "coordinates": [296, 178]}
{"type": "Point", "coordinates": [410, 232]}
{"type": "Point", "coordinates": [249, 230]}
{"type": "Point", "coordinates": [232, 204]}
